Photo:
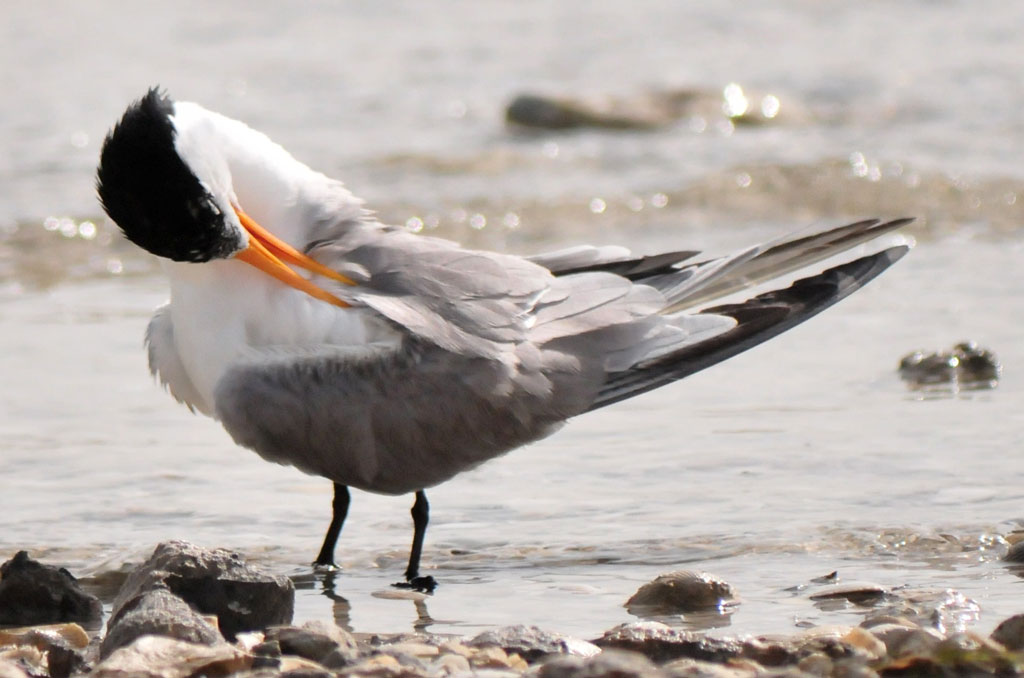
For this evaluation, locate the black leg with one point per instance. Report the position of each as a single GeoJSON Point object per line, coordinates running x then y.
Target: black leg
{"type": "Point", "coordinates": [420, 518]}
{"type": "Point", "coordinates": [340, 510]}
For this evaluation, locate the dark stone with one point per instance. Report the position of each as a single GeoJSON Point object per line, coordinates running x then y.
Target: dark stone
{"type": "Point", "coordinates": [327, 644]}
{"type": "Point", "coordinates": [679, 592]}
{"type": "Point", "coordinates": [157, 612]}
{"type": "Point", "coordinates": [532, 643]}
{"type": "Point", "coordinates": [32, 593]}
{"type": "Point", "coordinates": [660, 644]}
{"type": "Point", "coordinates": [1010, 632]}
{"type": "Point", "coordinates": [218, 582]}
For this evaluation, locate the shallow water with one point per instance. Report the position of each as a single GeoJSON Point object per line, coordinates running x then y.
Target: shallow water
{"type": "Point", "coordinates": [804, 456]}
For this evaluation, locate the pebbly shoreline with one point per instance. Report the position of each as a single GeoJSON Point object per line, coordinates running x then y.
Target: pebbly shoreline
{"type": "Point", "coordinates": [188, 612]}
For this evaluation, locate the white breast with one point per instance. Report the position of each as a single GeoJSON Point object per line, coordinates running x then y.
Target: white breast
{"type": "Point", "coordinates": [224, 311]}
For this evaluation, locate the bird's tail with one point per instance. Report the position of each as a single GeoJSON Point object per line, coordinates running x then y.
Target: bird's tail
{"type": "Point", "coordinates": [761, 317]}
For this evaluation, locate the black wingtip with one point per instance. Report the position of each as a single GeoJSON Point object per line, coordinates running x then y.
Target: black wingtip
{"type": "Point", "coordinates": [758, 319]}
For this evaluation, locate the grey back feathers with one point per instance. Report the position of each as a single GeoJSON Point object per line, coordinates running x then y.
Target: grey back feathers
{"type": "Point", "coordinates": [499, 350]}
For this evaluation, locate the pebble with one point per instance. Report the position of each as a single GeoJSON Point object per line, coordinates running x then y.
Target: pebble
{"type": "Point", "coordinates": [610, 664]}
{"type": "Point", "coordinates": [533, 643]}
{"type": "Point", "coordinates": [660, 643]}
{"type": "Point", "coordinates": [162, 657]}
{"type": "Point", "coordinates": [327, 644]}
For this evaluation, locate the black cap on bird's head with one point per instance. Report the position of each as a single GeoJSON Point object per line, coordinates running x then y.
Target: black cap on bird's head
{"type": "Point", "coordinates": [162, 205]}
{"type": "Point", "coordinates": [153, 195]}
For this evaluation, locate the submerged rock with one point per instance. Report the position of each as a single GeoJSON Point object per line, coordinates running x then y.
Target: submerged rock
{"type": "Point", "coordinates": [967, 365]}
{"type": "Point", "coordinates": [33, 593]}
{"type": "Point", "coordinates": [217, 582]}
{"type": "Point", "coordinates": [532, 643]}
{"type": "Point", "coordinates": [681, 591]}
{"type": "Point", "coordinates": [157, 612]}
{"type": "Point", "coordinates": [648, 110]}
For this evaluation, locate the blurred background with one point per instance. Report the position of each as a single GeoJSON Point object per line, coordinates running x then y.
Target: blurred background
{"type": "Point", "coordinates": [527, 126]}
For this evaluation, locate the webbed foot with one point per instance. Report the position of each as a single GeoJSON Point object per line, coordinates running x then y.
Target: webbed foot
{"type": "Point", "coordinates": [422, 584]}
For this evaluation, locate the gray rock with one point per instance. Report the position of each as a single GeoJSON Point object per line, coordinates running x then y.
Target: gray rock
{"type": "Point", "coordinates": [217, 582]}
{"type": "Point", "coordinates": [679, 592]}
{"type": "Point", "coordinates": [660, 644]}
{"type": "Point", "coordinates": [608, 664]}
{"type": "Point", "coordinates": [324, 643]}
{"type": "Point", "coordinates": [532, 643]}
{"type": "Point", "coordinates": [157, 612]}
{"type": "Point", "coordinates": [1010, 633]}
{"type": "Point", "coordinates": [32, 593]}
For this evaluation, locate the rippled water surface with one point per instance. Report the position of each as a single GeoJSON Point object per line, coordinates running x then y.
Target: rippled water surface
{"type": "Point", "coordinates": [804, 456]}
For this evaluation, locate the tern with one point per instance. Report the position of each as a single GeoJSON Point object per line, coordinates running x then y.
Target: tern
{"type": "Point", "coordinates": [389, 361]}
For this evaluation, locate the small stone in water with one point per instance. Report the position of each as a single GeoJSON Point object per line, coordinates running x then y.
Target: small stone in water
{"type": "Point", "coordinates": [681, 591]}
{"type": "Point", "coordinates": [1010, 633]}
{"type": "Point", "coordinates": [967, 365]}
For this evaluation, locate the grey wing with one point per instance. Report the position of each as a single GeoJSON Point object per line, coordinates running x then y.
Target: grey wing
{"type": "Point", "coordinates": [488, 305]}
{"type": "Point", "coordinates": [466, 301]}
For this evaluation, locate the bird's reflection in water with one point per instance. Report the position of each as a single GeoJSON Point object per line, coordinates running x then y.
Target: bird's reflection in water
{"type": "Point", "coordinates": [342, 609]}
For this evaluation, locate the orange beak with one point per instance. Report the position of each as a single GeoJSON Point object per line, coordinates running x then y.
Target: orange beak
{"type": "Point", "coordinates": [269, 253]}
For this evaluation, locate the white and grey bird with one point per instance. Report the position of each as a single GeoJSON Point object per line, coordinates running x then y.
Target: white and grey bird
{"type": "Point", "coordinates": [394, 361]}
